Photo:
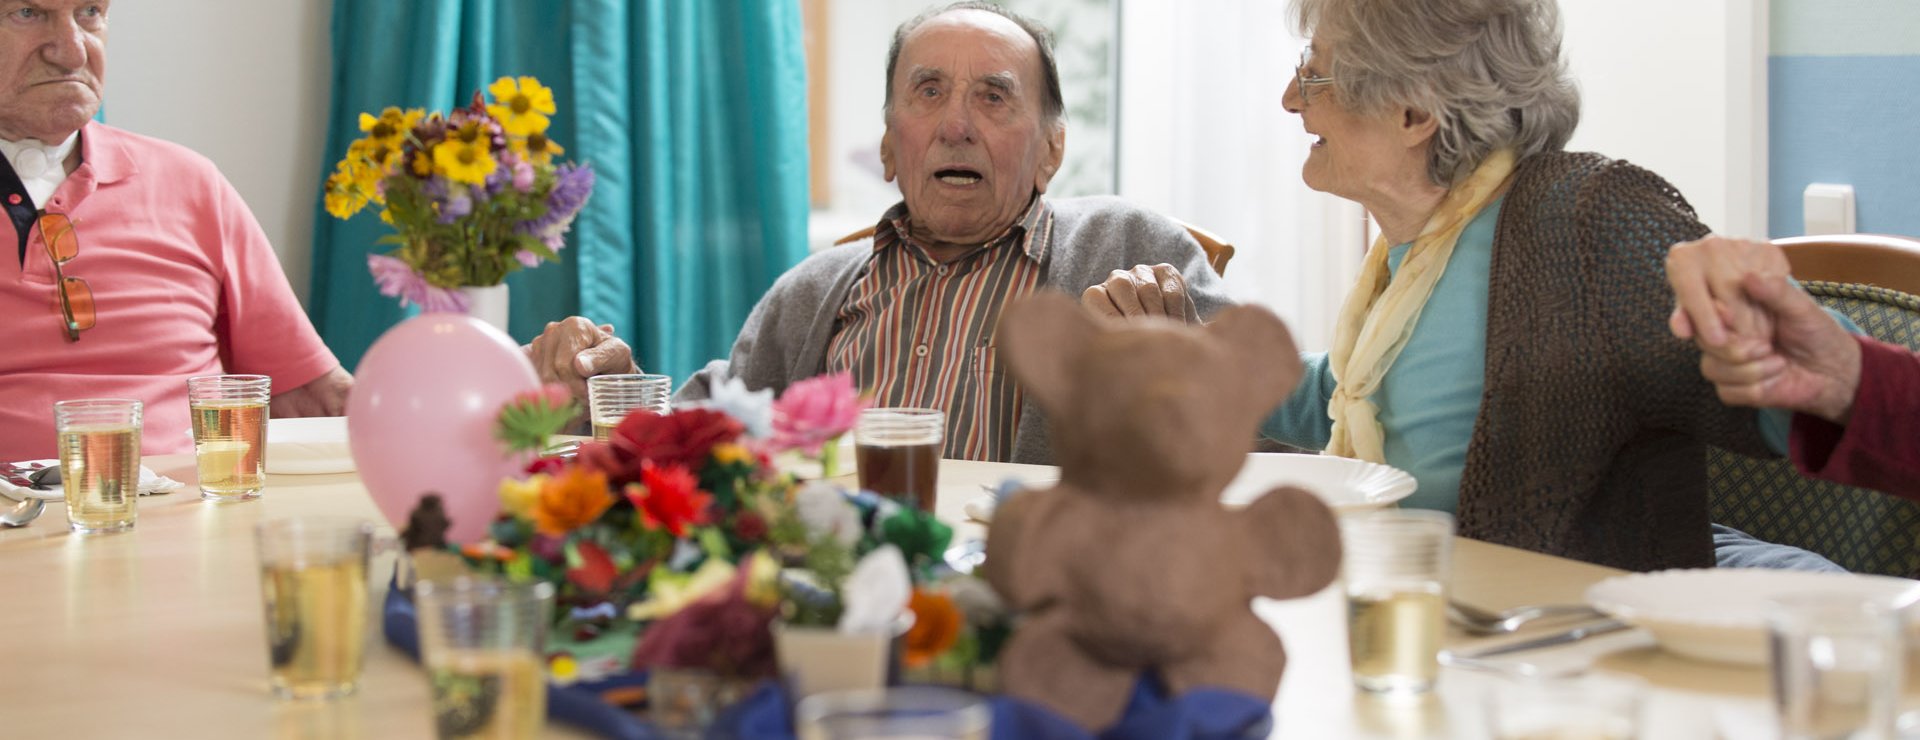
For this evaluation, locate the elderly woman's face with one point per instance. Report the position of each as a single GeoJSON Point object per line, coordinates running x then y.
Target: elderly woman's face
{"type": "Point", "coordinates": [1357, 156]}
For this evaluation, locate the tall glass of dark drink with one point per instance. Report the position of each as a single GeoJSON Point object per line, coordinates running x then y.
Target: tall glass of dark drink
{"type": "Point", "coordinates": [898, 453]}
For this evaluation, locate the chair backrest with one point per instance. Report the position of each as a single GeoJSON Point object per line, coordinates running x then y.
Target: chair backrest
{"type": "Point", "coordinates": [1218, 252]}
{"type": "Point", "coordinates": [1863, 531]}
{"type": "Point", "coordinates": [1867, 259]}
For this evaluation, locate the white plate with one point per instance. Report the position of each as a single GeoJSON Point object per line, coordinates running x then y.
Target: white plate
{"type": "Point", "coordinates": [309, 446]}
{"type": "Point", "coordinates": [1346, 485]}
{"type": "Point", "coordinates": [1720, 614]}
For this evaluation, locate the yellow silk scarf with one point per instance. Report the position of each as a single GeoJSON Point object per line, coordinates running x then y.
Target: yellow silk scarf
{"type": "Point", "coordinates": [1380, 312]}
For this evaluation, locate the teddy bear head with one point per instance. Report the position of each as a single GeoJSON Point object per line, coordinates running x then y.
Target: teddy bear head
{"type": "Point", "coordinates": [1149, 407]}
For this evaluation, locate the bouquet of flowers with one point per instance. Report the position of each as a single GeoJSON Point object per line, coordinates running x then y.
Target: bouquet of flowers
{"type": "Point", "coordinates": [474, 195]}
{"type": "Point", "coordinates": [678, 542]}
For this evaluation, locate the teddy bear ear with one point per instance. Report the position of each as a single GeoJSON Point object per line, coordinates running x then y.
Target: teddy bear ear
{"type": "Point", "coordinates": [1262, 349]}
{"type": "Point", "coordinates": [1039, 338]}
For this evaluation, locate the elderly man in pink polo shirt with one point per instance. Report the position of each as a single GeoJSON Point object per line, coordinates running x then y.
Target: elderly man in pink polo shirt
{"type": "Point", "coordinates": [164, 273]}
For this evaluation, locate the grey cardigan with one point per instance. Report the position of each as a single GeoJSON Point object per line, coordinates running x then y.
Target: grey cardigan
{"type": "Point", "coordinates": [785, 337]}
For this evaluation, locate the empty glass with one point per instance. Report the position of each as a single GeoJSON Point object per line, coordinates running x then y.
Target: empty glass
{"type": "Point", "coordinates": [610, 397]}
{"type": "Point", "coordinates": [99, 442]}
{"type": "Point", "coordinates": [1837, 665]}
{"type": "Point", "coordinates": [1595, 706]}
{"type": "Point", "coordinates": [1396, 567]}
{"type": "Point", "coordinates": [897, 713]}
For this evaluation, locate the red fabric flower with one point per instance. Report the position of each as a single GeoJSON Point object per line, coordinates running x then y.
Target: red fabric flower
{"type": "Point", "coordinates": [669, 498]}
{"type": "Point", "coordinates": [685, 438]}
{"type": "Point", "coordinates": [548, 465]}
{"type": "Point", "coordinates": [749, 526]}
{"type": "Point", "coordinates": [723, 632]}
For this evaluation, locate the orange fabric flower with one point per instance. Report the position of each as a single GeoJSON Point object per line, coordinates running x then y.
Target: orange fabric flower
{"type": "Point", "coordinates": [936, 626]}
{"type": "Point", "coordinates": [570, 501]}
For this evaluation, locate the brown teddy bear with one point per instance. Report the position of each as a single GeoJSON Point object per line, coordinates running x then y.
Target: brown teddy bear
{"type": "Point", "coordinates": [1131, 563]}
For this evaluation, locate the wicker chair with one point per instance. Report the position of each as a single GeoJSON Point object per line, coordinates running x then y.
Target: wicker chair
{"type": "Point", "coordinates": [1218, 252]}
{"type": "Point", "coordinates": [1872, 280]}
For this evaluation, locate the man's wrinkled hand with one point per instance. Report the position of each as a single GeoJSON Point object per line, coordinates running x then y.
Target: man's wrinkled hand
{"type": "Point", "coordinates": [574, 349]}
{"type": "Point", "coordinates": [323, 396]}
{"type": "Point", "coordinates": [1145, 290]}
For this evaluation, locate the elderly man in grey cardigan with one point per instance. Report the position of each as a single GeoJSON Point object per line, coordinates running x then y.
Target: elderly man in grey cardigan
{"type": "Point", "coordinates": [974, 132]}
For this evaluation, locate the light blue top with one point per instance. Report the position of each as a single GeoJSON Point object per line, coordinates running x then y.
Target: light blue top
{"type": "Point", "coordinates": [1430, 397]}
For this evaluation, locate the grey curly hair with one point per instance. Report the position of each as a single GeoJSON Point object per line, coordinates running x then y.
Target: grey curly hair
{"type": "Point", "coordinates": [1489, 71]}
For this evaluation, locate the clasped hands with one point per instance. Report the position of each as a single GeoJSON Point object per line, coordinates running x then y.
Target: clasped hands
{"type": "Point", "coordinates": [1763, 341]}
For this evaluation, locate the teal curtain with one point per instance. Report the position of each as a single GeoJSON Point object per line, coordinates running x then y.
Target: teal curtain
{"type": "Point", "coordinates": [692, 113]}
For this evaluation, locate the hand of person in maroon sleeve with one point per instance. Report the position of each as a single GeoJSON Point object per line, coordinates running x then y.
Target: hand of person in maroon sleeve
{"type": "Point", "coordinates": [1145, 290]}
{"type": "Point", "coordinates": [574, 349]}
{"type": "Point", "coordinates": [323, 396]}
{"type": "Point", "coordinates": [1763, 341]}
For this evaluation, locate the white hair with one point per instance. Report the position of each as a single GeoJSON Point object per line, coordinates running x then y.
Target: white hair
{"type": "Point", "coordinates": [1489, 71]}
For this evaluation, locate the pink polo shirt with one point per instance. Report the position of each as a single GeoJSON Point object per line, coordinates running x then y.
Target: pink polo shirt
{"type": "Point", "coordinates": [184, 284]}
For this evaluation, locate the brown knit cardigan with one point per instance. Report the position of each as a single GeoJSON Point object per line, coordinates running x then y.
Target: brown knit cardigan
{"type": "Point", "coordinates": [1591, 436]}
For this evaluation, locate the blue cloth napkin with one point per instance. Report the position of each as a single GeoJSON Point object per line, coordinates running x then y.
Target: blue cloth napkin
{"type": "Point", "coordinates": [1202, 714]}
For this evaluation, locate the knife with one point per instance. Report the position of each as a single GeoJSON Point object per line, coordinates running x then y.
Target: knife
{"type": "Point", "coordinates": [1576, 634]}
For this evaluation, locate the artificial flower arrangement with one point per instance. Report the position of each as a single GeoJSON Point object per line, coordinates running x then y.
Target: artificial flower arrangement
{"type": "Point", "coordinates": [679, 543]}
{"type": "Point", "coordinates": [474, 195]}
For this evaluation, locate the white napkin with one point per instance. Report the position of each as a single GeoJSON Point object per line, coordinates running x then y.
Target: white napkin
{"type": "Point", "coordinates": [875, 593]}
{"type": "Point", "coordinates": [151, 483]}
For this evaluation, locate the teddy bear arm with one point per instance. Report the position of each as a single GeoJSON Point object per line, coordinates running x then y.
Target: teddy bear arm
{"type": "Point", "coordinates": [1291, 544]}
{"type": "Point", "coordinates": [1015, 542]}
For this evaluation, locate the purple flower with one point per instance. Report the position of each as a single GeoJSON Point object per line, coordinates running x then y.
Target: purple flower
{"type": "Point", "coordinates": [397, 279]}
{"type": "Point", "coordinates": [571, 186]}
{"type": "Point", "coordinates": [452, 198]}
{"type": "Point", "coordinates": [527, 258]}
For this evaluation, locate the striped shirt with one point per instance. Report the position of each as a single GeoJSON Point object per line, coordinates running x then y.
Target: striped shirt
{"type": "Point", "coordinates": [919, 333]}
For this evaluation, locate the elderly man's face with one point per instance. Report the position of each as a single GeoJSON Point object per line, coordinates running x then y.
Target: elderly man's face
{"type": "Point", "coordinates": [966, 137]}
{"type": "Point", "coordinates": [53, 63]}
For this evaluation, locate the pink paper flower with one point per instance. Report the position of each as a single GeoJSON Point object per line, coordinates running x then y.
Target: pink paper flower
{"type": "Point", "coordinates": [815, 410]}
{"type": "Point", "coordinates": [396, 278]}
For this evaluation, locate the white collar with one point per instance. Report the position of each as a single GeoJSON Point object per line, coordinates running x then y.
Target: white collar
{"type": "Point", "coordinates": [35, 160]}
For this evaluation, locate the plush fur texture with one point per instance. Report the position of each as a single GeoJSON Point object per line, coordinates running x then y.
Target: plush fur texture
{"type": "Point", "coordinates": [1131, 564]}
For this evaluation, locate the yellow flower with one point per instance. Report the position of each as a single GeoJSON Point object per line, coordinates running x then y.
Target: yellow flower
{"type": "Point", "coordinates": [521, 106]}
{"type": "Point", "coordinates": [730, 453]}
{"type": "Point", "coordinates": [669, 592]}
{"type": "Point", "coordinates": [763, 579]}
{"type": "Point", "coordinates": [422, 164]}
{"type": "Point", "coordinates": [535, 148]}
{"type": "Point", "coordinates": [467, 162]}
{"type": "Point", "coordinates": [392, 125]}
{"type": "Point", "coordinates": [563, 669]}
{"type": "Point", "coordinates": [519, 497]}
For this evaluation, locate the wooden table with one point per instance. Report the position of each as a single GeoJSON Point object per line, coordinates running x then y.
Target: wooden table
{"type": "Point", "coordinates": [159, 631]}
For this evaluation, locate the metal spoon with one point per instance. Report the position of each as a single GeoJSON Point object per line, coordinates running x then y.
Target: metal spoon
{"type": "Point", "coordinates": [1482, 622]}
{"type": "Point", "coordinates": [22, 513]}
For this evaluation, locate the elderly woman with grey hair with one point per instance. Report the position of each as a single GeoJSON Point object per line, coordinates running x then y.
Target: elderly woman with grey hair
{"type": "Point", "coordinates": [1506, 341]}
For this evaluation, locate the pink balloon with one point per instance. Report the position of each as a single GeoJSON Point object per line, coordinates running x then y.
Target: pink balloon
{"type": "Point", "coordinates": [420, 418]}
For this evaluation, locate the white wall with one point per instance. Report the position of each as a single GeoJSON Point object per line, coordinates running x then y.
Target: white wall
{"type": "Point", "coordinates": [244, 82]}
{"type": "Point", "coordinates": [1685, 97]}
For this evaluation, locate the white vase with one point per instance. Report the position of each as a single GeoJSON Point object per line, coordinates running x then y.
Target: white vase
{"type": "Point", "coordinates": [820, 659]}
{"type": "Point", "coordinates": [488, 303]}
